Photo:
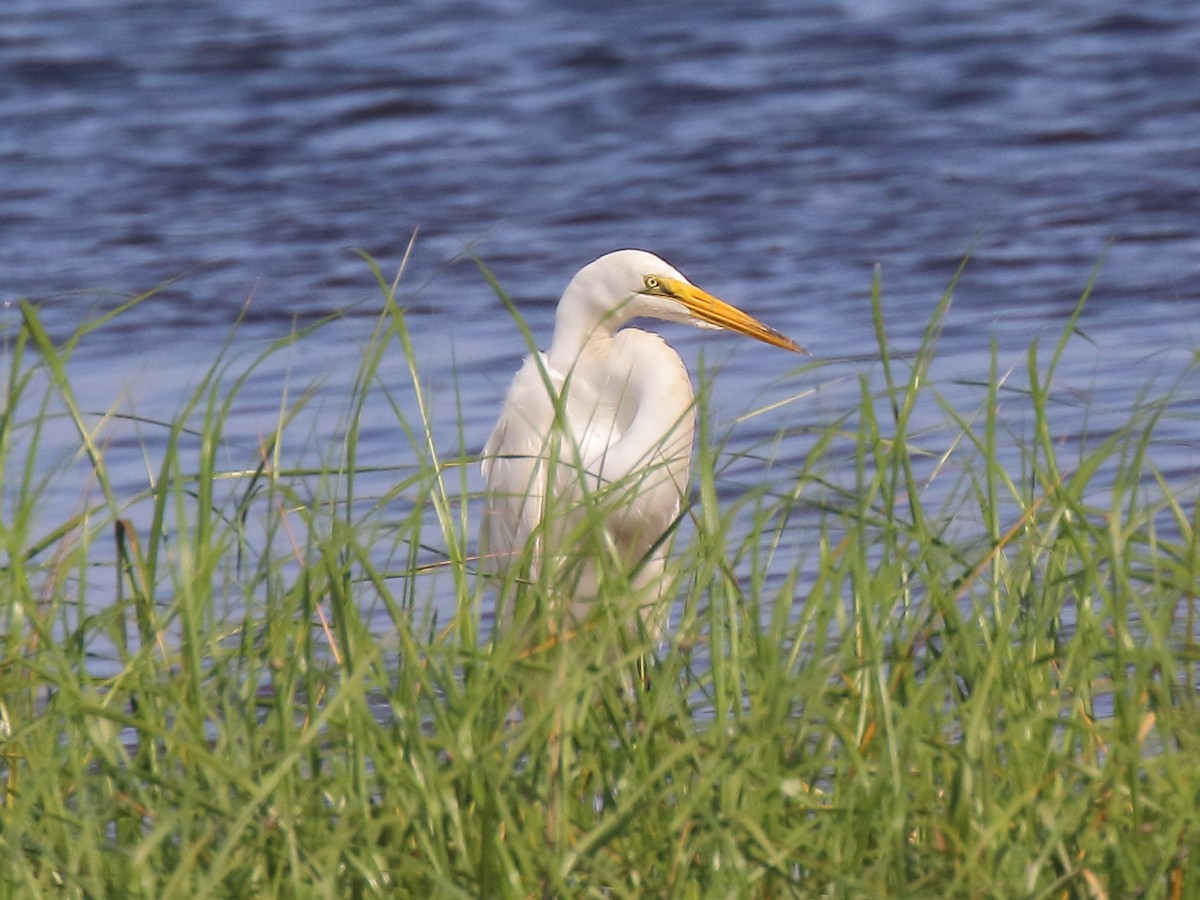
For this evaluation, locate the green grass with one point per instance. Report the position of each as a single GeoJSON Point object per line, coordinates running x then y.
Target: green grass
{"type": "Point", "coordinates": [905, 669]}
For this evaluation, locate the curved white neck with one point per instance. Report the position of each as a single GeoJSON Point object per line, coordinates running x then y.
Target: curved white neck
{"type": "Point", "coordinates": [584, 320]}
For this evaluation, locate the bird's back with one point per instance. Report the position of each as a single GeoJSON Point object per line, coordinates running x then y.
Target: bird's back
{"type": "Point", "coordinates": [512, 465]}
{"type": "Point", "coordinates": [605, 478]}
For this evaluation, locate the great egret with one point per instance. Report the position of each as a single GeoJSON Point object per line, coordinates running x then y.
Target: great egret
{"type": "Point", "coordinates": [592, 450]}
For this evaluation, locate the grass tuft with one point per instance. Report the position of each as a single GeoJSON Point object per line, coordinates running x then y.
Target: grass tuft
{"type": "Point", "coordinates": [950, 652]}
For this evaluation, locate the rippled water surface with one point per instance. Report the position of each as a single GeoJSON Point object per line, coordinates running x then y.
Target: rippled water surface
{"type": "Point", "coordinates": [774, 152]}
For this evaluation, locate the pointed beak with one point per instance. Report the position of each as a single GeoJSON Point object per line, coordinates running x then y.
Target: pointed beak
{"type": "Point", "coordinates": [707, 308]}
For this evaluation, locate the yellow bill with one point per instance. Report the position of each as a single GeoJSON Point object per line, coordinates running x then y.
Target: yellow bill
{"type": "Point", "coordinates": [707, 308]}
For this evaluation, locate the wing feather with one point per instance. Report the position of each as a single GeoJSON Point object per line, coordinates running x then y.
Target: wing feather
{"type": "Point", "coordinates": [512, 468]}
{"type": "Point", "coordinates": [629, 422]}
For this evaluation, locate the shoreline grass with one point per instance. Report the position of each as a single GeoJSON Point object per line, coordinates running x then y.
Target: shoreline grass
{"type": "Point", "coordinates": [967, 678]}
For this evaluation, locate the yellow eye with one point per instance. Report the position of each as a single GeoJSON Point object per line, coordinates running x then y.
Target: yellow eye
{"type": "Point", "coordinates": [652, 283]}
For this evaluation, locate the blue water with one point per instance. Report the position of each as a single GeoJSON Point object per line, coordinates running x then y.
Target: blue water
{"type": "Point", "coordinates": [775, 152]}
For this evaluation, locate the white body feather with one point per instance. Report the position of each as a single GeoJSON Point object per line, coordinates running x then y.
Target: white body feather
{"type": "Point", "coordinates": [625, 440]}
{"type": "Point", "coordinates": [587, 466]}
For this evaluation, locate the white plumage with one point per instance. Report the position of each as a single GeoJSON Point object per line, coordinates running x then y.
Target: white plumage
{"type": "Point", "coordinates": [591, 454]}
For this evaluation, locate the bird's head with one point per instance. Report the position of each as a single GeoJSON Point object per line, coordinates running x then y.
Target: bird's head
{"type": "Point", "coordinates": [680, 300]}
{"type": "Point", "coordinates": [629, 284]}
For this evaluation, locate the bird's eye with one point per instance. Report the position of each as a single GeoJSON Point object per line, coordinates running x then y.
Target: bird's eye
{"type": "Point", "coordinates": [652, 283]}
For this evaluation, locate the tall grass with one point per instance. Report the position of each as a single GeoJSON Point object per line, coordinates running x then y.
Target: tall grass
{"type": "Point", "coordinates": [910, 667]}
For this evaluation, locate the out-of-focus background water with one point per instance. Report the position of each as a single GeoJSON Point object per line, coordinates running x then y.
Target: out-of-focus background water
{"type": "Point", "coordinates": [775, 152]}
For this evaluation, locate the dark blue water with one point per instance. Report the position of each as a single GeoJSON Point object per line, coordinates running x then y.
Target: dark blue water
{"type": "Point", "coordinates": [775, 152]}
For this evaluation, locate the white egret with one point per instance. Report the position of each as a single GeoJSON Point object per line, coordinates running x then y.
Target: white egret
{"type": "Point", "coordinates": [593, 447]}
